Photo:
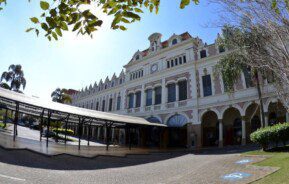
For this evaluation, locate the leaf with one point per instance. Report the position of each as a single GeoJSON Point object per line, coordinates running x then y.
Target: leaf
{"type": "Point", "coordinates": [58, 31]}
{"type": "Point", "coordinates": [29, 29]}
{"type": "Point", "coordinates": [76, 26]}
{"type": "Point", "coordinates": [184, 3]}
{"type": "Point", "coordinates": [34, 20]}
{"type": "Point", "coordinates": [44, 5]}
{"type": "Point", "coordinates": [63, 26]}
{"type": "Point", "coordinates": [122, 28]}
{"type": "Point", "coordinates": [138, 10]}
{"type": "Point", "coordinates": [54, 35]}
{"type": "Point", "coordinates": [44, 26]}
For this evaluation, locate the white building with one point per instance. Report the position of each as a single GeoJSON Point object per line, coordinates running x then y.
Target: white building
{"type": "Point", "coordinates": [173, 82]}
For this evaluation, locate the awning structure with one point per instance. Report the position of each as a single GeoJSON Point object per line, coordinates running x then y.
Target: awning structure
{"type": "Point", "coordinates": [21, 103]}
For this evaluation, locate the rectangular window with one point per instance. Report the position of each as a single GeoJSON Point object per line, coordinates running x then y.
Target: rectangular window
{"type": "Point", "coordinates": [185, 59]}
{"type": "Point", "coordinates": [182, 90]}
{"type": "Point", "coordinates": [97, 106]}
{"type": "Point", "coordinates": [171, 92]}
{"type": "Point", "coordinates": [203, 53]}
{"type": "Point", "coordinates": [149, 97]}
{"type": "Point", "coordinates": [207, 85]}
{"type": "Point", "coordinates": [138, 99]}
{"type": "Point", "coordinates": [168, 64]}
{"type": "Point", "coordinates": [172, 63]}
{"type": "Point", "coordinates": [103, 105]}
{"type": "Point", "coordinates": [221, 48]}
{"type": "Point", "coordinates": [110, 105]}
{"type": "Point", "coordinates": [180, 60]}
{"type": "Point", "coordinates": [176, 61]}
{"type": "Point", "coordinates": [158, 95]}
{"type": "Point", "coordinates": [118, 103]}
{"type": "Point", "coordinates": [130, 100]}
{"type": "Point", "coordinates": [248, 77]}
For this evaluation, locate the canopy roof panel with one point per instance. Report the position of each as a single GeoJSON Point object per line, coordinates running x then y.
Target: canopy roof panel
{"type": "Point", "coordinates": [28, 102]}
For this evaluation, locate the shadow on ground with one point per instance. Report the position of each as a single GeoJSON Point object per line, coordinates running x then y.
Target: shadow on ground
{"type": "Point", "coordinates": [27, 158]}
{"type": "Point", "coordinates": [66, 162]}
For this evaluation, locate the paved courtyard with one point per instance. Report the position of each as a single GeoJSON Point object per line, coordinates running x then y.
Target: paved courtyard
{"type": "Point", "coordinates": [21, 166]}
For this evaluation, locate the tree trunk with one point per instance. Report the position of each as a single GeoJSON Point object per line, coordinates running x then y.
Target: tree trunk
{"type": "Point", "coordinates": [260, 98]}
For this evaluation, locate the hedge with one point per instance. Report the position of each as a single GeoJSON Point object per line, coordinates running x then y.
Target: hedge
{"type": "Point", "coordinates": [62, 131]}
{"type": "Point", "coordinates": [271, 134]}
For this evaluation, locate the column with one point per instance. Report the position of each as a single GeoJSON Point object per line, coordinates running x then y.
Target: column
{"type": "Point", "coordinates": [164, 95]}
{"type": "Point", "coordinates": [104, 133]}
{"type": "Point", "coordinates": [177, 92]}
{"type": "Point", "coordinates": [112, 134]}
{"type": "Point", "coordinates": [243, 130]}
{"type": "Point", "coordinates": [153, 96]}
{"type": "Point", "coordinates": [266, 119]}
{"type": "Point", "coordinates": [220, 133]}
{"type": "Point", "coordinates": [98, 133]}
{"type": "Point", "coordinates": [134, 100]}
{"type": "Point", "coordinates": [287, 117]}
{"type": "Point", "coordinates": [143, 98]}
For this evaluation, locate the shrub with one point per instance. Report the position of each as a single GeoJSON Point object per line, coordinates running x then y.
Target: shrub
{"type": "Point", "coordinates": [62, 131]}
{"type": "Point", "coordinates": [271, 134]}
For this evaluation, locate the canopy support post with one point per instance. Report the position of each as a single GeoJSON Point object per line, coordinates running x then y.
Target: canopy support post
{"type": "Point", "coordinates": [41, 124]}
{"type": "Point", "coordinates": [129, 138]}
{"type": "Point", "coordinates": [6, 117]}
{"type": "Point", "coordinates": [16, 117]}
{"type": "Point", "coordinates": [65, 133]}
{"type": "Point", "coordinates": [88, 133]}
{"type": "Point", "coordinates": [48, 126]}
{"type": "Point", "coordinates": [107, 136]}
{"type": "Point", "coordinates": [79, 131]}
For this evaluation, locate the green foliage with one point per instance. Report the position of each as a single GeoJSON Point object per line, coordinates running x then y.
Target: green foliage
{"type": "Point", "coordinates": [79, 16]}
{"type": "Point", "coordinates": [62, 131]}
{"type": "Point", "coordinates": [61, 96]}
{"type": "Point", "coordinates": [14, 76]}
{"type": "Point", "coordinates": [271, 134]}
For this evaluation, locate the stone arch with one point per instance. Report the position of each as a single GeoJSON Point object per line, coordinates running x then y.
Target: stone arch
{"type": "Point", "coordinates": [276, 113]}
{"type": "Point", "coordinates": [172, 114]}
{"type": "Point", "coordinates": [210, 128]}
{"type": "Point", "coordinates": [270, 100]}
{"type": "Point", "coordinates": [207, 110]}
{"type": "Point", "coordinates": [232, 126]}
{"type": "Point", "coordinates": [236, 106]}
{"type": "Point", "coordinates": [177, 120]}
{"type": "Point", "coordinates": [252, 118]}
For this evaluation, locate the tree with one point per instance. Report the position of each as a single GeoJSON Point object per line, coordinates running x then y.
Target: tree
{"type": "Point", "coordinates": [14, 76]}
{"type": "Point", "coordinates": [77, 15]}
{"type": "Point", "coordinates": [256, 32]}
{"type": "Point", "coordinates": [61, 96]}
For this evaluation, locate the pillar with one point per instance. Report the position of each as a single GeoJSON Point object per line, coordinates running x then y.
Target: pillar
{"type": "Point", "coordinates": [134, 100]}
{"type": "Point", "coordinates": [266, 119]}
{"type": "Point", "coordinates": [112, 134]}
{"type": "Point", "coordinates": [98, 133]}
{"type": "Point", "coordinates": [143, 98]}
{"type": "Point", "coordinates": [153, 96]}
{"type": "Point", "coordinates": [287, 117]}
{"type": "Point", "coordinates": [104, 133]}
{"type": "Point", "coordinates": [243, 130]}
{"type": "Point", "coordinates": [177, 92]}
{"type": "Point", "coordinates": [164, 96]}
{"type": "Point", "coordinates": [220, 133]}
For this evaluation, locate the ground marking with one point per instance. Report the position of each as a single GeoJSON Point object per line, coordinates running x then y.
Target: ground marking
{"type": "Point", "coordinates": [12, 178]}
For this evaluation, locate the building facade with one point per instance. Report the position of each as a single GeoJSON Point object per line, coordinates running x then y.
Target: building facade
{"type": "Point", "coordinates": [174, 82]}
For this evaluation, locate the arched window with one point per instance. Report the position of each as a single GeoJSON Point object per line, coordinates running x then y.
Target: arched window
{"type": "Point", "coordinates": [177, 120]}
{"type": "Point", "coordinates": [153, 120]}
{"type": "Point", "coordinates": [175, 41]}
{"type": "Point", "coordinates": [137, 57]}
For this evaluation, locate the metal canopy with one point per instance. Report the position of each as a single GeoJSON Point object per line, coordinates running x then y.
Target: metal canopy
{"type": "Point", "coordinates": [34, 106]}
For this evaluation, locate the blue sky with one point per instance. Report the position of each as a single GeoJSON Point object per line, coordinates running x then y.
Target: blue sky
{"type": "Point", "coordinates": [77, 61]}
